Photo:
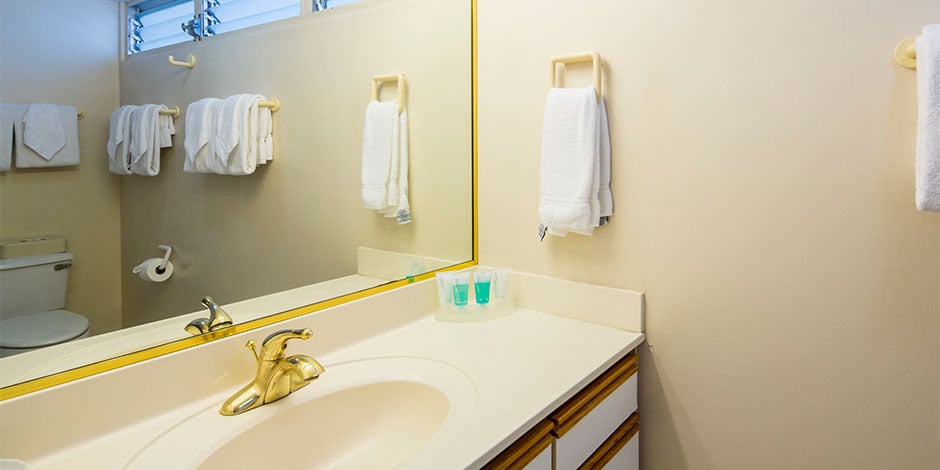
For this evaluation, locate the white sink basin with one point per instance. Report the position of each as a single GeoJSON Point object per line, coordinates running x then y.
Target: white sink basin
{"type": "Point", "coordinates": [376, 413]}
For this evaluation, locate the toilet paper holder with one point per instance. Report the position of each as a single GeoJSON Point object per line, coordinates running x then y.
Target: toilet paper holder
{"type": "Point", "coordinates": [166, 257]}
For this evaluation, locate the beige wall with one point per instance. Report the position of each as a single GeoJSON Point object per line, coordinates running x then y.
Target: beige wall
{"type": "Point", "coordinates": [763, 185]}
{"type": "Point", "coordinates": [63, 52]}
{"type": "Point", "coordinates": [300, 219]}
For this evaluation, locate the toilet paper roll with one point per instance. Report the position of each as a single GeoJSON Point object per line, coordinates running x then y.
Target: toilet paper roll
{"type": "Point", "coordinates": [150, 270]}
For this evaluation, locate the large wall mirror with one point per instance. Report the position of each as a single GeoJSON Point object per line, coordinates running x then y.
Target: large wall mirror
{"type": "Point", "coordinates": [296, 224]}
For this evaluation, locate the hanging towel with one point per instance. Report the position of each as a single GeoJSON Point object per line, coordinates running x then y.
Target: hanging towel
{"type": "Point", "coordinates": [26, 155]}
{"type": "Point", "coordinates": [166, 127]}
{"type": "Point", "coordinates": [145, 140]}
{"type": "Point", "coordinates": [265, 135]}
{"type": "Point", "coordinates": [604, 196]}
{"type": "Point", "coordinates": [6, 136]}
{"type": "Point", "coordinates": [570, 175]}
{"type": "Point", "coordinates": [236, 139]}
{"type": "Point", "coordinates": [377, 135]}
{"type": "Point", "coordinates": [397, 192]}
{"type": "Point", "coordinates": [200, 125]}
{"type": "Point", "coordinates": [119, 139]}
{"type": "Point", "coordinates": [927, 194]}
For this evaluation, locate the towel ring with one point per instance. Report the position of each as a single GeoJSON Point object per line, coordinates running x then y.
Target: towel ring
{"type": "Point", "coordinates": [592, 56]}
{"type": "Point", "coordinates": [399, 78]}
{"type": "Point", "coordinates": [905, 54]}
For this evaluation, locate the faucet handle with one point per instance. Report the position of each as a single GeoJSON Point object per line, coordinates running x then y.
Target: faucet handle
{"type": "Point", "coordinates": [251, 347]}
{"type": "Point", "coordinates": [218, 318]}
{"type": "Point", "coordinates": [272, 348]}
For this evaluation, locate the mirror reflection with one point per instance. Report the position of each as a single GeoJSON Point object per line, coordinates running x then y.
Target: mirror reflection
{"type": "Point", "coordinates": [75, 233]}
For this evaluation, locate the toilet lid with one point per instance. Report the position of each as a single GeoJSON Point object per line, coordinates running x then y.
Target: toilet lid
{"type": "Point", "coordinates": [41, 329]}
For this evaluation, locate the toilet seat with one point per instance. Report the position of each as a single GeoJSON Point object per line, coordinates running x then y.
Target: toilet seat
{"type": "Point", "coordinates": [37, 330]}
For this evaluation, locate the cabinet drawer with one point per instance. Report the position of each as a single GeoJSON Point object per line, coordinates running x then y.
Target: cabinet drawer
{"type": "Point", "coordinates": [620, 451]}
{"type": "Point", "coordinates": [528, 452]}
{"type": "Point", "coordinates": [628, 458]}
{"type": "Point", "coordinates": [586, 421]}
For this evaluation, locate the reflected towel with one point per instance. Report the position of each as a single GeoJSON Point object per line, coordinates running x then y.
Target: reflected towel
{"type": "Point", "coordinates": [377, 137]}
{"type": "Point", "coordinates": [927, 175]}
{"type": "Point", "coordinates": [145, 140]}
{"type": "Point", "coordinates": [26, 157]}
{"type": "Point", "coordinates": [200, 125]}
{"type": "Point", "coordinates": [119, 138]}
{"type": "Point", "coordinates": [6, 136]}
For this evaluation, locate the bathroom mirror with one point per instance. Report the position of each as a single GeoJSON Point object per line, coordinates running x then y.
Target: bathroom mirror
{"type": "Point", "coordinates": [296, 225]}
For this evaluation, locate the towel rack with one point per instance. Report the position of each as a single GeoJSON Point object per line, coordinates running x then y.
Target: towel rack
{"type": "Point", "coordinates": [592, 56]}
{"type": "Point", "coordinates": [190, 62]}
{"type": "Point", "coordinates": [399, 78]}
{"type": "Point", "coordinates": [274, 104]}
{"type": "Point", "coordinates": [906, 54]}
{"type": "Point", "coordinates": [174, 111]}
{"type": "Point", "coordinates": [81, 114]}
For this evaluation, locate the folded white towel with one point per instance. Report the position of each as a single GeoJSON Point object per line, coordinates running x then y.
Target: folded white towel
{"type": "Point", "coordinates": [570, 161]}
{"type": "Point", "coordinates": [167, 128]}
{"type": "Point", "coordinates": [605, 197]}
{"type": "Point", "coordinates": [145, 140]}
{"type": "Point", "coordinates": [397, 192]}
{"type": "Point", "coordinates": [119, 139]}
{"type": "Point", "coordinates": [200, 126]}
{"type": "Point", "coordinates": [377, 135]}
{"type": "Point", "coordinates": [236, 139]}
{"type": "Point", "coordinates": [27, 157]}
{"type": "Point", "coordinates": [927, 194]}
{"type": "Point", "coordinates": [265, 135]}
{"type": "Point", "coordinates": [6, 136]}
{"type": "Point", "coordinates": [43, 130]}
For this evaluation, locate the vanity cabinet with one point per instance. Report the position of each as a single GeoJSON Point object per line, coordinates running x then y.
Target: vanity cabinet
{"type": "Point", "coordinates": [596, 428]}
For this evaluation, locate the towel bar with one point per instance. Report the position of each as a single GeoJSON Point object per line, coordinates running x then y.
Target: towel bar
{"type": "Point", "coordinates": [399, 78]}
{"type": "Point", "coordinates": [906, 54]}
{"type": "Point", "coordinates": [190, 63]}
{"type": "Point", "coordinates": [274, 104]}
{"type": "Point", "coordinates": [174, 111]}
{"type": "Point", "coordinates": [593, 57]}
{"type": "Point", "coordinates": [81, 114]}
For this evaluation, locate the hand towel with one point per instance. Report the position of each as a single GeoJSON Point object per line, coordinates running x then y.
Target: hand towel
{"type": "Point", "coordinates": [119, 139]}
{"type": "Point", "coordinates": [145, 140]}
{"type": "Point", "coordinates": [26, 156]}
{"type": "Point", "coordinates": [200, 126]}
{"type": "Point", "coordinates": [377, 135]}
{"type": "Point", "coordinates": [235, 143]}
{"type": "Point", "coordinates": [265, 135]}
{"type": "Point", "coordinates": [166, 127]}
{"type": "Point", "coordinates": [604, 196]}
{"type": "Point", "coordinates": [399, 208]}
{"type": "Point", "coordinates": [570, 161]}
{"type": "Point", "coordinates": [43, 130]}
{"type": "Point", "coordinates": [6, 136]}
{"type": "Point", "coordinates": [927, 194]}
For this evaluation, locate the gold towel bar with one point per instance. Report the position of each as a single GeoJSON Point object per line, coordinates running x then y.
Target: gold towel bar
{"type": "Point", "coordinates": [274, 104]}
{"type": "Point", "coordinates": [399, 78]}
{"type": "Point", "coordinates": [174, 111]}
{"type": "Point", "coordinates": [592, 57]}
{"type": "Point", "coordinates": [906, 54]}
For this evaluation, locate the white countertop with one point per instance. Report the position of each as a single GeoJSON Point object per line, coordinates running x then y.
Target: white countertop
{"type": "Point", "coordinates": [523, 366]}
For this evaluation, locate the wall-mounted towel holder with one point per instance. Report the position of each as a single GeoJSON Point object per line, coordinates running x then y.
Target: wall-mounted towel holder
{"type": "Point", "coordinates": [190, 62]}
{"type": "Point", "coordinates": [174, 111]}
{"type": "Point", "coordinates": [81, 114]}
{"type": "Point", "coordinates": [398, 78]}
{"type": "Point", "coordinates": [593, 57]}
{"type": "Point", "coordinates": [906, 54]}
{"type": "Point", "coordinates": [274, 104]}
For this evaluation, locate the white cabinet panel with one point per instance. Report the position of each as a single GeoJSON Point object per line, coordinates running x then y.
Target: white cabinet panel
{"type": "Point", "coordinates": [572, 449]}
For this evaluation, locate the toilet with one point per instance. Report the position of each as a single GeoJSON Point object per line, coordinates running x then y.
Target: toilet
{"type": "Point", "coordinates": [32, 296]}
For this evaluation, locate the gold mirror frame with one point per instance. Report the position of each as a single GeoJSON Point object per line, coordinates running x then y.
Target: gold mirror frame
{"type": "Point", "coordinates": [89, 370]}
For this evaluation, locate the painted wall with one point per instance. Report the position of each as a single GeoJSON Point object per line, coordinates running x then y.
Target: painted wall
{"type": "Point", "coordinates": [300, 219]}
{"type": "Point", "coordinates": [763, 157]}
{"type": "Point", "coordinates": [82, 203]}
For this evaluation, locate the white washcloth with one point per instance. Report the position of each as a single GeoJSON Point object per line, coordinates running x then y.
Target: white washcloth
{"type": "Point", "coordinates": [6, 136]}
{"type": "Point", "coordinates": [377, 153]}
{"type": "Point", "coordinates": [119, 139]}
{"type": "Point", "coordinates": [235, 142]}
{"type": "Point", "coordinates": [43, 130]}
{"type": "Point", "coordinates": [200, 126]}
{"type": "Point", "coordinates": [145, 140]}
{"type": "Point", "coordinates": [26, 156]}
{"type": "Point", "coordinates": [570, 175]}
{"type": "Point", "coordinates": [927, 194]}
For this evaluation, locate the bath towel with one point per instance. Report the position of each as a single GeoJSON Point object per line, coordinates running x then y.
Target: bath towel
{"type": "Point", "coordinates": [570, 176]}
{"type": "Point", "coordinates": [29, 136]}
{"type": "Point", "coordinates": [377, 143]}
{"type": "Point", "coordinates": [145, 140]}
{"type": "Point", "coordinates": [200, 126]}
{"type": "Point", "coordinates": [6, 136]}
{"type": "Point", "coordinates": [236, 139]}
{"type": "Point", "coordinates": [927, 193]}
{"type": "Point", "coordinates": [119, 139]}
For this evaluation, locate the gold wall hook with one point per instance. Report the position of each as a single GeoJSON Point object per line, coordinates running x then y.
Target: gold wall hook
{"type": "Point", "coordinates": [190, 63]}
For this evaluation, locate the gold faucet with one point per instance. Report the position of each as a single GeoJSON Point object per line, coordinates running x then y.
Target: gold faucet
{"type": "Point", "coordinates": [217, 320]}
{"type": "Point", "coordinates": [277, 376]}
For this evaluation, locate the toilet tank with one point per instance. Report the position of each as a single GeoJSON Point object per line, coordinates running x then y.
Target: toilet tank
{"type": "Point", "coordinates": [32, 284]}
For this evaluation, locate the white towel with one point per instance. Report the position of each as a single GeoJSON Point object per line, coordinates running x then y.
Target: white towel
{"type": "Point", "coordinates": [200, 126]}
{"type": "Point", "coordinates": [397, 192]}
{"type": "Point", "coordinates": [26, 156]}
{"type": "Point", "coordinates": [6, 136]}
{"type": "Point", "coordinates": [119, 139]}
{"type": "Point", "coordinates": [43, 130]}
{"type": "Point", "coordinates": [265, 135]}
{"type": "Point", "coordinates": [145, 140]}
{"type": "Point", "coordinates": [236, 139]}
{"type": "Point", "coordinates": [605, 197]}
{"type": "Point", "coordinates": [570, 176]}
{"type": "Point", "coordinates": [927, 195]}
{"type": "Point", "coordinates": [377, 153]}
{"type": "Point", "coordinates": [167, 128]}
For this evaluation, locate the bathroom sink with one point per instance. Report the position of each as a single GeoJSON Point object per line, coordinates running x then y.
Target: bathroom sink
{"type": "Point", "coordinates": [375, 413]}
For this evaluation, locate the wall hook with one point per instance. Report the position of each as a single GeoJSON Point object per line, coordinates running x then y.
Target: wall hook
{"type": "Point", "coordinates": [190, 63]}
{"type": "Point", "coordinates": [906, 53]}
